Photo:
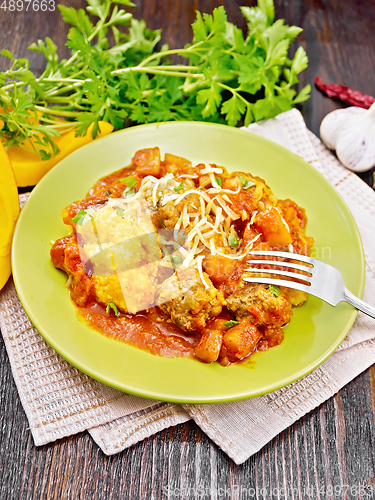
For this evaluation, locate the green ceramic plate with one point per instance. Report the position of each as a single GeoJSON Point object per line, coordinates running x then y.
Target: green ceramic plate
{"type": "Point", "coordinates": [315, 330]}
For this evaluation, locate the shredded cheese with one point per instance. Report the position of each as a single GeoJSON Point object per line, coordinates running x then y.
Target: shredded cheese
{"type": "Point", "coordinates": [203, 240]}
{"type": "Point", "coordinates": [212, 247]}
{"type": "Point", "coordinates": [212, 170]}
{"type": "Point", "coordinates": [214, 184]}
{"type": "Point", "coordinates": [195, 229]}
{"type": "Point", "coordinates": [244, 215]}
{"type": "Point", "coordinates": [200, 271]}
{"type": "Point", "coordinates": [203, 208]}
{"type": "Point", "coordinates": [227, 224]}
{"type": "Point", "coordinates": [226, 198]}
{"type": "Point", "coordinates": [200, 230]}
{"type": "Point", "coordinates": [219, 217]}
{"type": "Point", "coordinates": [185, 217]}
{"type": "Point", "coordinates": [190, 255]}
{"type": "Point", "coordinates": [253, 217]}
{"type": "Point", "coordinates": [192, 191]}
{"type": "Point", "coordinates": [177, 226]}
{"type": "Point", "coordinates": [225, 207]}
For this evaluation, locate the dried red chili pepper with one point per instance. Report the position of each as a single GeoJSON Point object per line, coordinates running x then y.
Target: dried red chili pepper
{"type": "Point", "coordinates": [345, 94]}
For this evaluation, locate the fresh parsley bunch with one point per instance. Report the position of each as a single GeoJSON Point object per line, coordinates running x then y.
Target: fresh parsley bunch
{"type": "Point", "coordinates": [228, 77]}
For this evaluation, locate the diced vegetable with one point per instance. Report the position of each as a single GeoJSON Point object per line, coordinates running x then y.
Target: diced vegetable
{"type": "Point", "coordinates": [241, 340]}
{"type": "Point", "coordinates": [147, 162]}
{"type": "Point", "coordinates": [273, 227]}
{"type": "Point", "coordinates": [208, 349]}
{"type": "Point", "coordinates": [218, 268]}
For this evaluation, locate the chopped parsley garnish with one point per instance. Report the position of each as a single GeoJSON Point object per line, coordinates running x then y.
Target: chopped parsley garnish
{"type": "Point", "coordinates": [245, 183]}
{"type": "Point", "coordinates": [128, 193]}
{"type": "Point", "coordinates": [112, 305]}
{"type": "Point", "coordinates": [274, 289]}
{"type": "Point", "coordinates": [120, 212]}
{"type": "Point", "coordinates": [231, 323]}
{"type": "Point", "coordinates": [130, 181]}
{"type": "Point", "coordinates": [219, 181]}
{"type": "Point", "coordinates": [179, 187]}
{"type": "Point", "coordinates": [233, 240]}
{"type": "Point", "coordinates": [82, 217]}
{"type": "Point", "coordinates": [173, 258]}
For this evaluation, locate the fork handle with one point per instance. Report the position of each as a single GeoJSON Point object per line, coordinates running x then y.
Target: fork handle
{"type": "Point", "coordinates": [359, 304]}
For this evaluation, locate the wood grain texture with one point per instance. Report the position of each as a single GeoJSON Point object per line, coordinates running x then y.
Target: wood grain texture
{"type": "Point", "coordinates": [329, 448]}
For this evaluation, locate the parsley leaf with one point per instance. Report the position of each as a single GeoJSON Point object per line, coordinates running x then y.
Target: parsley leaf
{"type": "Point", "coordinates": [230, 323]}
{"type": "Point", "coordinates": [112, 305]}
{"type": "Point", "coordinates": [77, 18]}
{"type": "Point", "coordinates": [246, 183]}
{"type": "Point", "coordinates": [274, 289]}
{"type": "Point", "coordinates": [123, 77]}
{"type": "Point", "coordinates": [218, 180]}
{"type": "Point", "coordinates": [233, 240]}
{"type": "Point", "coordinates": [172, 258]}
{"type": "Point", "coordinates": [120, 212]}
{"type": "Point", "coordinates": [128, 193]}
{"type": "Point", "coordinates": [233, 109]}
{"type": "Point", "coordinates": [82, 217]}
{"type": "Point", "coordinates": [130, 181]}
{"type": "Point", "coordinates": [210, 98]}
{"type": "Point", "coordinates": [179, 187]}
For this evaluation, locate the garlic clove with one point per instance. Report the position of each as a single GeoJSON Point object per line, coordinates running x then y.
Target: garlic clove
{"type": "Point", "coordinates": [355, 149]}
{"type": "Point", "coordinates": [351, 132]}
{"type": "Point", "coordinates": [334, 122]}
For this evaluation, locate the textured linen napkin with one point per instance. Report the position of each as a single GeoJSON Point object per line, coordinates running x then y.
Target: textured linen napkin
{"type": "Point", "coordinates": [59, 400]}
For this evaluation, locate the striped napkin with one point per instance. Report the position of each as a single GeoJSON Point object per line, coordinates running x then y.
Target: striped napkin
{"type": "Point", "coordinates": [59, 400]}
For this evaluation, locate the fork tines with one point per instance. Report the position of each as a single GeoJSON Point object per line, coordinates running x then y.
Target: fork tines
{"type": "Point", "coordinates": [280, 269]}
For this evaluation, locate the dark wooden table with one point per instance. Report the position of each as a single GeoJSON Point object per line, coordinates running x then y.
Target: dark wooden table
{"type": "Point", "coordinates": [330, 447]}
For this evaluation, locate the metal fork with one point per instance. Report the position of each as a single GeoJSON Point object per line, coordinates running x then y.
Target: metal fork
{"type": "Point", "coordinates": [318, 278]}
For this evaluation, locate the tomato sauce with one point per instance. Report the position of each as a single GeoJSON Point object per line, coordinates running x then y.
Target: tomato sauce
{"type": "Point", "coordinates": [150, 332]}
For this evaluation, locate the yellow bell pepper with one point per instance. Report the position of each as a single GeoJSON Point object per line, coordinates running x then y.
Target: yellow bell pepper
{"type": "Point", "coordinates": [29, 168]}
{"type": "Point", "coordinates": [9, 211]}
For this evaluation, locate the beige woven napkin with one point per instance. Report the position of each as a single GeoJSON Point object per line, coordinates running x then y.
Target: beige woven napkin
{"type": "Point", "coordinates": [59, 400]}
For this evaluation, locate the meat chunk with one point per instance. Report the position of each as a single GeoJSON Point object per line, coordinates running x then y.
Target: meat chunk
{"type": "Point", "coordinates": [258, 304]}
{"type": "Point", "coordinates": [188, 302]}
{"type": "Point", "coordinates": [272, 336]}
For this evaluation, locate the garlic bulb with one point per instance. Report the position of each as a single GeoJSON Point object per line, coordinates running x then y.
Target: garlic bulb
{"type": "Point", "coordinates": [351, 132]}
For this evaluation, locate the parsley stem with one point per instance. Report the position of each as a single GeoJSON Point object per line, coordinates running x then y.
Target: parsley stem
{"type": "Point", "coordinates": [66, 126]}
{"type": "Point", "coordinates": [65, 100]}
{"type": "Point", "coordinates": [56, 111]}
{"type": "Point", "coordinates": [75, 82]}
{"type": "Point", "coordinates": [61, 90]}
{"type": "Point", "coordinates": [63, 80]}
{"type": "Point", "coordinates": [11, 85]}
{"type": "Point", "coordinates": [177, 66]}
{"type": "Point", "coordinates": [234, 92]}
{"type": "Point", "coordinates": [155, 71]}
{"type": "Point", "coordinates": [170, 52]}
